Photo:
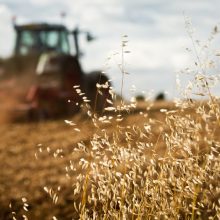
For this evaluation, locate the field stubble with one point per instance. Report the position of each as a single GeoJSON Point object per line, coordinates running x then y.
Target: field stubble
{"type": "Point", "coordinates": [152, 162]}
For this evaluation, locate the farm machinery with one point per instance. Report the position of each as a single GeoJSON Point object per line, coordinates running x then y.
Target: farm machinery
{"type": "Point", "coordinates": [57, 70]}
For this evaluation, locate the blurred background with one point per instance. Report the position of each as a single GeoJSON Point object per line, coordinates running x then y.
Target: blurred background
{"type": "Point", "coordinates": [158, 39]}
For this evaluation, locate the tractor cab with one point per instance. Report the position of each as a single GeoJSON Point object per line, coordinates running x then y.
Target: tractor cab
{"type": "Point", "coordinates": [35, 39]}
{"type": "Point", "coordinates": [56, 68]}
{"type": "Point", "coordinates": [41, 38]}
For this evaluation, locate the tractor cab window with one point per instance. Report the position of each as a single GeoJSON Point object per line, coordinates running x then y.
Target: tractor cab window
{"type": "Point", "coordinates": [27, 42]}
{"type": "Point", "coordinates": [65, 42]}
{"type": "Point", "coordinates": [57, 41]}
{"type": "Point", "coordinates": [38, 41]}
{"type": "Point", "coordinates": [51, 40]}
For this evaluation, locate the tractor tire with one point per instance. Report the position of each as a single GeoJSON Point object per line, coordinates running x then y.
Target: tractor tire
{"type": "Point", "coordinates": [37, 115]}
{"type": "Point", "coordinates": [97, 96]}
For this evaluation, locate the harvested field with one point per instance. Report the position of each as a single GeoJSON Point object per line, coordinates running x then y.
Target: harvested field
{"type": "Point", "coordinates": [152, 161]}
{"type": "Point", "coordinates": [25, 170]}
{"type": "Point", "coordinates": [34, 158]}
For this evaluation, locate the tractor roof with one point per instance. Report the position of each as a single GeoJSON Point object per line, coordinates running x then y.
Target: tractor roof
{"type": "Point", "coordinates": [39, 27]}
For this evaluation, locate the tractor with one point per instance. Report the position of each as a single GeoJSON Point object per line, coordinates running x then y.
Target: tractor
{"type": "Point", "coordinates": [57, 70]}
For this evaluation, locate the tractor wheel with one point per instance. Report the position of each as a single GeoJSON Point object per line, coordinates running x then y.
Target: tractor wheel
{"type": "Point", "coordinates": [37, 115]}
{"type": "Point", "coordinates": [97, 96]}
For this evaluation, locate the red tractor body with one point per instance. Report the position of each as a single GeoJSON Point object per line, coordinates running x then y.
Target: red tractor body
{"type": "Point", "coordinates": [57, 70]}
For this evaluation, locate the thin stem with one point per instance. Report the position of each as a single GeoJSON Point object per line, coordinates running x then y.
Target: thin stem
{"type": "Point", "coordinates": [122, 70]}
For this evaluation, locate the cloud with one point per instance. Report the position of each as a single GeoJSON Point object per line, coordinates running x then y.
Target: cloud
{"type": "Point", "coordinates": [155, 28]}
{"type": "Point", "coordinates": [6, 30]}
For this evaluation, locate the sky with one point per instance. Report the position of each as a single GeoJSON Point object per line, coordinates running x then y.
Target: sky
{"type": "Point", "coordinates": [156, 30]}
